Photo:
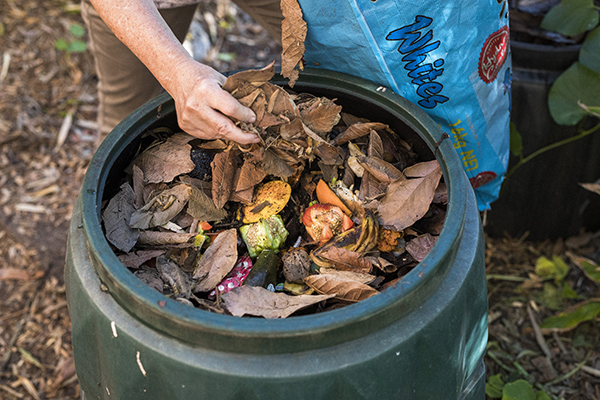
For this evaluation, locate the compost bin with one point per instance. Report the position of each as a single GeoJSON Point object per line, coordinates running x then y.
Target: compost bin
{"type": "Point", "coordinates": [423, 338]}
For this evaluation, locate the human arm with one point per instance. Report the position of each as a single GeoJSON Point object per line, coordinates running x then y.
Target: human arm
{"type": "Point", "coordinates": [201, 104]}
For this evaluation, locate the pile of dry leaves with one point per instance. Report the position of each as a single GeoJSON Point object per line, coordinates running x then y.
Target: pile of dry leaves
{"type": "Point", "coordinates": [322, 186]}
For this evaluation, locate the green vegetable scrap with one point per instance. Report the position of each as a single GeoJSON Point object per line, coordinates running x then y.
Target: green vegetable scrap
{"type": "Point", "coordinates": [268, 233]}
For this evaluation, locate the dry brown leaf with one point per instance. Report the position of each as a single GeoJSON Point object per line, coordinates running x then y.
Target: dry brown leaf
{"type": "Point", "coordinates": [356, 131]}
{"type": "Point", "coordinates": [138, 186]}
{"type": "Point", "coordinates": [161, 208]}
{"type": "Point", "coordinates": [116, 218]}
{"type": "Point", "coordinates": [202, 207]}
{"type": "Point", "coordinates": [345, 260]}
{"type": "Point", "coordinates": [137, 258]}
{"type": "Point", "coordinates": [164, 162]}
{"type": "Point", "coordinates": [420, 246]}
{"type": "Point", "coordinates": [253, 76]}
{"type": "Point", "coordinates": [216, 262]}
{"type": "Point", "coordinates": [258, 301]}
{"type": "Point", "coordinates": [155, 238]}
{"type": "Point", "coordinates": [172, 274]}
{"type": "Point", "coordinates": [251, 172]}
{"type": "Point", "coordinates": [293, 34]}
{"type": "Point", "coordinates": [375, 145]}
{"type": "Point", "coordinates": [381, 170]}
{"type": "Point", "coordinates": [421, 169]}
{"type": "Point", "coordinates": [292, 130]}
{"type": "Point", "coordinates": [322, 118]}
{"type": "Point", "coordinates": [223, 171]}
{"type": "Point", "coordinates": [408, 200]}
{"type": "Point", "coordinates": [344, 289]}
{"type": "Point", "coordinates": [348, 275]}
{"type": "Point", "coordinates": [274, 165]}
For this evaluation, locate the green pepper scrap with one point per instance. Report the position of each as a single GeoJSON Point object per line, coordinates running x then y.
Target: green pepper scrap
{"type": "Point", "coordinates": [268, 233]}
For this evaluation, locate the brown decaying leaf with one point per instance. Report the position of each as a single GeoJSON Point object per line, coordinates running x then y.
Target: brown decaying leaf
{"type": "Point", "coordinates": [251, 172]}
{"type": "Point", "coordinates": [322, 118]}
{"type": "Point", "coordinates": [155, 238]}
{"type": "Point", "coordinates": [293, 34]}
{"type": "Point", "coordinates": [216, 262]}
{"type": "Point", "coordinates": [223, 171]}
{"type": "Point", "coordinates": [356, 131]}
{"type": "Point", "coordinates": [164, 162]}
{"type": "Point", "coordinates": [202, 207]}
{"type": "Point", "coordinates": [274, 165]}
{"type": "Point", "coordinates": [408, 200]}
{"type": "Point", "coordinates": [138, 186]}
{"type": "Point", "coordinates": [173, 275]}
{"type": "Point", "coordinates": [254, 76]}
{"type": "Point", "coordinates": [137, 258]}
{"type": "Point", "coordinates": [258, 301]}
{"type": "Point", "coordinates": [348, 275]}
{"type": "Point", "coordinates": [161, 208]}
{"type": "Point", "coordinates": [421, 169]}
{"type": "Point", "coordinates": [381, 170]}
{"type": "Point", "coordinates": [116, 217]}
{"type": "Point", "coordinates": [420, 246]}
{"type": "Point", "coordinates": [375, 145]}
{"type": "Point", "coordinates": [345, 260]}
{"type": "Point", "coordinates": [343, 289]}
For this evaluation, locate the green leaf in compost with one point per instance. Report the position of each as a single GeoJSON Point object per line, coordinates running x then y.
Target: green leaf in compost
{"type": "Point", "coordinates": [61, 45]}
{"type": "Point", "coordinates": [516, 142]}
{"type": "Point", "coordinates": [518, 390]}
{"type": "Point", "coordinates": [592, 270]}
{"type": "Point", "coordinates": [589, 55]}
{"type": "Point", "coordinates": [571, 17]}
{"type": "Point", "coordinates": [569, 293]}
{"type": "Point", "coordinates": [551, 269]}
{"type": "Point", "coordinates": [77, 30]}
{"type": "Point", "coordinates": [569, 319]}
{"type": "Point", "coordinates": [577, 84]}
{"type": "Point", "coordinates": [77, 46]}
{"type": "Point", "coordinates": [493, 388]}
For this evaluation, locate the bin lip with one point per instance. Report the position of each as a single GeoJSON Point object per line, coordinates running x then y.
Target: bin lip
{"type": "Point", "coordinates": [119, 280]}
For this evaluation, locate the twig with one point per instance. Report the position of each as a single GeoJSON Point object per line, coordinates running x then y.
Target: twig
{"type": "Point", "coordinates": [559, 342]}
{"type": "Point", "coordinates": [572, 372]}
{"type": "Point", "coordinates": [538, 335]}
{"type": "Point", "coordinates": [505, 278]}
{"type": "Point", "coordinates": [500, 363]}
{"type": "Point", "coordinates": [64, 130]}
{"type": "Point", "coordinates": [591, 371]}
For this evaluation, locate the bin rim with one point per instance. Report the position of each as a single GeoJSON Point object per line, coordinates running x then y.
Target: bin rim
{"type": "Point", "coordinates": [133, 295]}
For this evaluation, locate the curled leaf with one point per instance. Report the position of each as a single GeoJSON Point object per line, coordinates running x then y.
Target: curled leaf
{"type": "Point", "coordinates": [343, 289]}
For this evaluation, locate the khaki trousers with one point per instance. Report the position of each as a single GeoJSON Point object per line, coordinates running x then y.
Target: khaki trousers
{"type": "Point", "coordinates": [124, 83]}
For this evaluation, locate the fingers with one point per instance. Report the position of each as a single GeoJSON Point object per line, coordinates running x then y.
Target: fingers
{"type": "Point", "coordinates": [208, 123]}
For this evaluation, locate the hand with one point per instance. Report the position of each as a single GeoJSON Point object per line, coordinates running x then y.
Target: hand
{"type": "Point", "coordinates": [202, 106]}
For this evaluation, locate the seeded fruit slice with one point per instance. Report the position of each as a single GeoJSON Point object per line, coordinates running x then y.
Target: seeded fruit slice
{"type": "Point", "coordinates": [269, 199]}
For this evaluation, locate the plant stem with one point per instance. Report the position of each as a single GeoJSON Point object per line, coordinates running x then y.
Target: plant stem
{"type": "Point", "coordinates": [550, 147]}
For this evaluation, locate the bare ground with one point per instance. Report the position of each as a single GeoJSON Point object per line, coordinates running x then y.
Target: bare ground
{"type": "Point", "coordinates": [48, 105]}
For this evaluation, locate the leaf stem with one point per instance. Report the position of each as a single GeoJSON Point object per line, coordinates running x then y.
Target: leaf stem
{"type": "Point", "coordinates": [550, 147]}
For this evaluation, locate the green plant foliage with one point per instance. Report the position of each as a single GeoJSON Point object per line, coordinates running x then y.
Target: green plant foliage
{"type": "Point", "coordinates": [567, 320]}
{"type": "Point", "coordinates": [569, 293]}
{"type": "Point", "coordinates": [494, 386]}
{"type": "Point", "coordinates": [518, 390]}
{"type": "Point", "coordinates": [72, 45]}
{"type": "Point", "coordinates": [592, 270]}
{"type": "Point", "coordinates": [1, 29]}
{"type": "Point", "coordinates": [550, 297]}
{"type": "Point", "coordinates": [571, 17]}
{"type": "Point", "coordinates": [77, 30]}
{"type": "Point", "coordinates": [578, 84]}
{"type": "Point", "coordinates": [516, 142]}
{"type": "Point", "coordinates": [589, 55]}
{"type": "Point", "coordinates": [551, 269]}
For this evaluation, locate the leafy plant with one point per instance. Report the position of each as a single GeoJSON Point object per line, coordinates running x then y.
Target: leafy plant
{"type": "Point", "coordinates": [520, 389]}
{"type": "Point", "coordinates": [74, 44]}
{"type": "Point", "coordinates": [574, 94]}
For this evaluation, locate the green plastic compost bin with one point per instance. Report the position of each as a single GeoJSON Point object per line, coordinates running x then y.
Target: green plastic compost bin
{"type": "Point", "coordinates": [423, 338]}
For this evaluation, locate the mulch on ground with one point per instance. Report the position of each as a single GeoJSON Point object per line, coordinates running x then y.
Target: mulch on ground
{"type": "Point", "coordinates": [48, 106]}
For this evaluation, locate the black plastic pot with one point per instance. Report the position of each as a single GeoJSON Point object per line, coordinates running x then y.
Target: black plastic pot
{"type": "Point", "coordinates": [543, 197]}
{"type": "Point", "coordinates": [423, 338]}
